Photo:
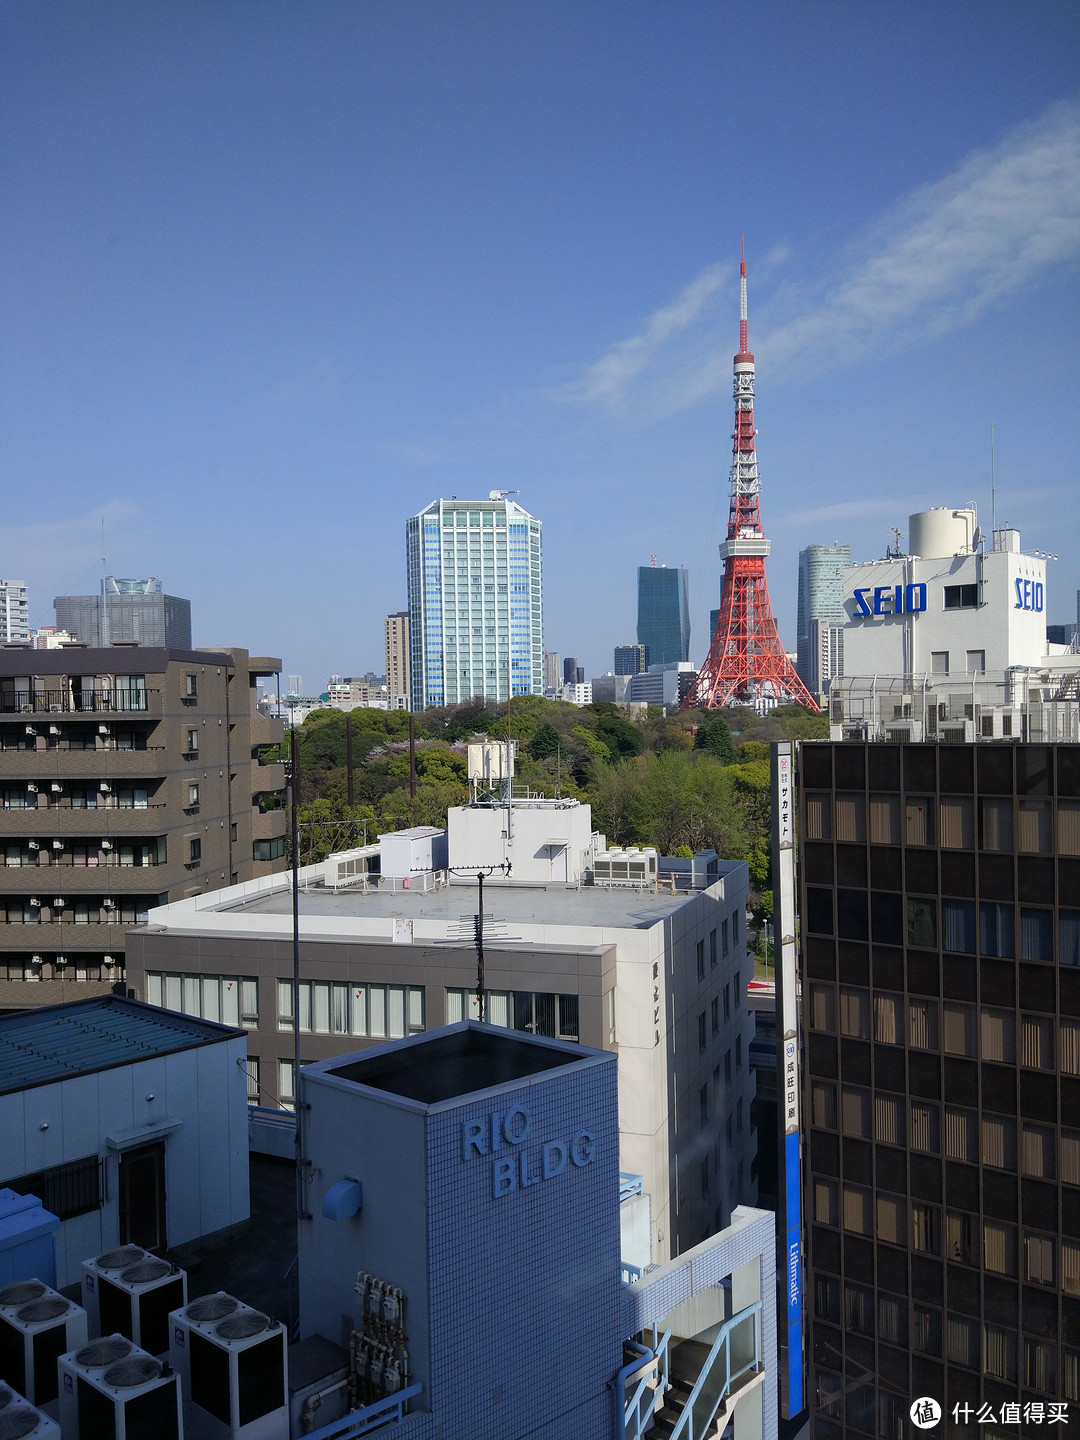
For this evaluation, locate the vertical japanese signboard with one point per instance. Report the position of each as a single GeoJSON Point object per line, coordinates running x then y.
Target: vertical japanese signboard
{"type": "Point", "coordinates": [790, 1218]}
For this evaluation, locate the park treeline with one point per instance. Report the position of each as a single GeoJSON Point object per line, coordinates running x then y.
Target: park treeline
{"type": "Point", "coordinates": [680, 782]}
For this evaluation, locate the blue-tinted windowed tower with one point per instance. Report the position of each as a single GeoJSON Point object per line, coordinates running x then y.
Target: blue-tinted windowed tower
{"type": "Point", "coordinates": [663, 623]}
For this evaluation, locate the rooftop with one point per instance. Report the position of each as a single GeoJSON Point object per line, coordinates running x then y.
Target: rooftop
{"type": "Point", "coordinates": [58, 1042]}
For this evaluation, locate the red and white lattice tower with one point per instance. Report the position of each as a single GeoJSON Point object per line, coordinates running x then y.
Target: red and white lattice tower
{"type": "Point", "coordinates": [747, 664]}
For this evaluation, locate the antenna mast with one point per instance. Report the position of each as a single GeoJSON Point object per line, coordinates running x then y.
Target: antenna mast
{"type": "Point", "coordinates": [104, 601]}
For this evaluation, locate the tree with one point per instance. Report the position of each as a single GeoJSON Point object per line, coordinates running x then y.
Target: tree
{"type": "Point", "coordinates": [546, 741]}
{"type": "Point", "coordinates": [714, 737]}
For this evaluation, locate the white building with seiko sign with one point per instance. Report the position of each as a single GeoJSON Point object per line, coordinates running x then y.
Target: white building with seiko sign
{"type": "Point", "coordinates": [949, 607]}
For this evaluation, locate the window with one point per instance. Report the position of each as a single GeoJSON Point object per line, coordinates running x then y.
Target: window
{"type": "Point", "coordinates": [858, 1309]}
{"type": "Point", "coordinates": [704, 1179]}
{"type": "Point", "coordinates": [922, 923]}
{"type": "Point", "coordinates": [855, 1111]}
{"type": "Point", "coordinates": [1034, 827]}
{"type": "Point", "coordinates": [962, 1342]}
{"type": "Point", "coordinates": [714, 1011]}
{"type": "Point", "coordinates": [996, 935]}
{"type": "Point", "coordinates": [925, 1127]}
{"type": "Point", "coordinates": [703, 1105]}
{"type": "Point", "coordinates": [194, 851]}
{"type": "Point", "coordinates": [193, 742]}
{"type": "Point", "coordinates": [738, 990]}
{"type": "Point", "coordinates": [960, 1134]}
{"type": "Point", "coordinates": [919, 820]}
{"type": "Point", "coordinates": [1070, 1377]}
{"type": "Point", "coordinates": [999, 1141]}
{"type": "Point", "coordinates": [1069, 937]}
{"type": "Point", "coordinates": [1068, 826]}
{"type": "Point", "coordinates": [724, 936]}
{"type": "Point", "coordinates": [1040, 1370]}
{"type": "Point", "coordinates": [923, 1024]}
{"type": "Point", "coordinates": [191, 686]}
{"type": "Point", "coordinates": [926, 1330]}
{"type": "Point", "coordinates": [960, 1240]}
{"type": "Point", "coordinates": [738, 1052]}
{"type": "Point", "coordinates": [230, 999]}
{"type": "Point", "coordinates": [884, 819]}
{"type": "Point", "coordinates": [957, 822]}
{"type": "Point", "coordinates": [1037, 1151]}
{"type": "Point", "coordinates": [995, 822]}
{"type": "Point", "coordinates": [961, 597]}
{"type": "Point", "coordinates": [192, 795]}
{"type": "Point", "coordinates": [286, 1077]}
{"type": "Point", "coordinates": [727, 1067]}
{"type": "Point", "coordinates": [926, 1228]}
{"type": "Point", "coordinates": [268, 849]}
{"type": "Point", "coordinates": [999, 1353]}
{"type": "Point", "coordinates": [1036, 934]}
{"type": "Point", "coordinates": [823, 1008]}
{"type": "Point", "coordinates": [855, 1013]}
{"type": "Point", "coordinates": [818, 817]}
{"type": "Point", "coordinates": [890, 1220]}
{"type": "Point", "coordinates": [1069, 1034]}
{"type": "Point", "coordinates": [892, 1321]}
{"type": "Point", "coordinates": [336, 1008]}
{"type": "Point", "coordinates": [827, 1298]}
{"type": "Point", "coordinates": [939, 662]}
{"type": "Point", "coordinates": [958, 926]}
{"type": "Point", "coordinates": [976, 661]}
{"type": "Point", "coordinates": [1037, 1042]}
{"type": "Point", "coordinates": [727, 1002]}
{"type": "Point", "coordinates": [701, 1030]}
{"type": "Point", "coordinates": [823, 1104]}
{"type": "Point", "coordinates": [959, 1028]}
{"type": "Point", "coordinates": [851, 818]}
{"type": "Point", "coordinates": [712, 949]}
{"type": "Point", "coordinates": [826, 1201]}
{"type": "Point", "coordinates": [739, 1115]}
{"type": "Point", "coordinates": [66, 1190]}
{"type": "Point", "coordinates": [701, 960]}
{"type": "Point", "coordinates": [998, 1035]}
{"type": "Point", "coordinates": [1038, 1259]}
{"type": "Point", "coordinates": [888, 1119]}
{"type": "Point", "coordinates": [888, 1025]}
{"type": "Point", "coordinates": [999, 1247]}
{"type": "Point", "coordinates": [252, 1064]}
{"type": "Point", "coordinates": [1070, 1266]}
{"type": "Point", "coordinates": [735, 927]}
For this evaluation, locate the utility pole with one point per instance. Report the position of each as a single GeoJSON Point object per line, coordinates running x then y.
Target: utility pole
{"type": "Point", "coordinates": [348, 758]}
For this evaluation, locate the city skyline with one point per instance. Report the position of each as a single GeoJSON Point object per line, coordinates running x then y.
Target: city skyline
{"type": "Point", "coordinates": [282, 273]}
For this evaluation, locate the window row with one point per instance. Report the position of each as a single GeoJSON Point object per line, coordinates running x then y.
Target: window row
{"type": "Point", "coordinates": [52, 967]}
{"type": "Point", "coordinates": [536, 1012]}
{"type": "Point", "coordinates": [730, 933]}
{"type": "Point", "coordinates": [1037, 1042]}
{"type": "Point", "coordinates": [127, 854]}
{"type": "Point", "coordinates": [230, 999]}
{"type": "Point", "coordinates": [954, 822]}
{"type": "Point", "coordinates": [82, 797]}
{"type": "Point", "coordinates": [73, 737]}
{"type": "Point", "coordinates": [966, 928]}
{"type": "Point", "coordinates": [125, 910]}
{"type": "Point", "coordinates": [333, 1008]}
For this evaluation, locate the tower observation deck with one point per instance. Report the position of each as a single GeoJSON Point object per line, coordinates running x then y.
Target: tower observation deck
{"type": "Point", "coordinates": [746, 664]}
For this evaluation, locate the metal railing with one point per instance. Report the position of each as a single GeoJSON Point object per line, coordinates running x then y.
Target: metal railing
{"type": "Point", "coordinates": [67, 702]}
{"type": "Point", "coordinates": [690, 1428]}
{"type": "Point", "coordinates": [637, 1412]}
{"type": "Point", "coordinates": [371, 1417]}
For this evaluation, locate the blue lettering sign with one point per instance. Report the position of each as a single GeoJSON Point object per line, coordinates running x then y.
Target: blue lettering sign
{"type": "Point", "coordinates": [1029, 595]}
{"type": "Point", "coordinates": [890, 600]}
{"type": "Point", "coordinates": [526, 1168]}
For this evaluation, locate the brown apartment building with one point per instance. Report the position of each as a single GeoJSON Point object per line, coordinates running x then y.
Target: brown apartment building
{"type": "Point", "coordinates": [130, 776]}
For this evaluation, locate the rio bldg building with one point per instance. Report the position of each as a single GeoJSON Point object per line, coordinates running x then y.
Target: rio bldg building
{"type": "Point", "coordinates": [476, 612]}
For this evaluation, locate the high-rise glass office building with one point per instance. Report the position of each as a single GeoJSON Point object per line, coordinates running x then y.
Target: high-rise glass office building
{"type": "Point", "coordinates": [821, 597]}
{"type": "Point", "coordinates": [127, 610]}
{"type": "Point", "coordinates": [476, 614]}
{"type": "Point", "coordinates": [663, 614]}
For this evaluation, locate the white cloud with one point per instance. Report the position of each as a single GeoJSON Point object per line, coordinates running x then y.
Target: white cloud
{"type": "Point", "coordinates": [932, 263]}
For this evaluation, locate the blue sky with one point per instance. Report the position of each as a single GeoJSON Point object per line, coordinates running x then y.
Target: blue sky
{"type": "Point", "coordinates": [275, 276]}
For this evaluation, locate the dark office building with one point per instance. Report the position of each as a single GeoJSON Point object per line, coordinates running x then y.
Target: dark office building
{"type": "Point", "coordinates": [940, 898]}
{"type": "Point", "coordinates": [630, 660]}
{"type": "Point", "coordinates": [572, 672]}
{"type": "Point", "coordinates": [663, 615]}
{"type": "Point", "coordinates": [130, 611]}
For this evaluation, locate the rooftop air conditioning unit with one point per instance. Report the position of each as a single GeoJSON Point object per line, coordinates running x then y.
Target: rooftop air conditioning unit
{"type": "Point", "coordinates": [55, 730]}
{"type": "Point", "coordinates": [36, 1326]}
{"type": "Point", "coordinates": [59, 902]}
{"type": "Point", "coordinates": [31, 731]}
{"type": "Point", "coordinates": [27, 709]}
{"type": "Point", "coordinates": [109, 904]}
{"type": "Point", "coordinates": [22, 1421]}
{"type": "Point", "coordinates": [56, 787]}
{"type": "Point", "coordinates": [106, 844]}
{"type": "Point", "coordinates": [112, 1388]}
{"type": "Point", "coordinates": [31, 787]}
{"type": "Point", "coordinates": [32, 845]}
{"type": "Point", "coordinates": [103, 729]}
{"type": "Point", "coordinates": [104, 786]}
{"type": "Point", "coordinates": [131, 1291]}
{"type": "Point", "coordinates": [56, 709]}
{"type": "Point", "coordinates": [218, 1336]}
{"type": "Point", "coordinates": [35, 903]}
{"type": "Point", "coordinates": [58, 844]}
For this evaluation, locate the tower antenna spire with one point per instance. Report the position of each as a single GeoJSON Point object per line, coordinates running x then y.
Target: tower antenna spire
{"type": "Point", "coordinates": [746, 664]}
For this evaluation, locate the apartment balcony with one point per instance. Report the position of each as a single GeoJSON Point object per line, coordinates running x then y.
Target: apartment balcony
{"type": "Point", "coordinates": [268, 824]}
{"type": "Point", "coordinates": [62, 701]}
{"type": "Point", "coordinates": [63, 938]}
{"type": "Point", "coordinates": [267, 778]}
{"type": "Point", "coordinates": [46, 821]}
{"type": "Point", "coordinates": [46, 767]}
{"type": "Point", "coordinates": [45, 881]}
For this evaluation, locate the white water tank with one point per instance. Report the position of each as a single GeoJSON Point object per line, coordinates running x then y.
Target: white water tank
{"type": "Point", "coordinates": [941, 532]}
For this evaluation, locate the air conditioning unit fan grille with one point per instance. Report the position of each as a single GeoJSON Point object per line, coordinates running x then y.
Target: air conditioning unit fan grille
{"type": "Point", "coordinates": [7, 1397]}
{"type": "Point", "coordinates": [22, 1291]}
{"type": "Point", "coordinates": [39, 1310]}
{"type": "Point", "coordinates": [120, 1259]}
{"type": "Point", "coordinates": [105, 1351]}
{"type": "Point", "coordinates": [211, 1307]}
{"type": "Point", "coordinates": [145, 1271]}
{"type": "Point", "coordinates": [135, 1370]}
{"type": "Point", "coordinates": [242, 1326]}
{"type": "Point", "coordinates": [18, 1422]}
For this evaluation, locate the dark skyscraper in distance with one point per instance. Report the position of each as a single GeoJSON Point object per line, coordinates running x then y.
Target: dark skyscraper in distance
{"type": "Point", "coordinates": [129, 610]}
{"type": "Point", "coordinates": [663, 616]}
{"type": "Point", "coordinates": [629, 659]}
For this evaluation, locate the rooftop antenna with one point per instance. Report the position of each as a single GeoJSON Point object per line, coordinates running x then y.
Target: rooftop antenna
{"type": "Point", "coordinates": [993, 483]}
{"type": "Point", "coordinates": [653, 560]}
{"type": "Point", "coordinates": [104, 601]}
{"type": "Point", "coordinates": [896, 536]}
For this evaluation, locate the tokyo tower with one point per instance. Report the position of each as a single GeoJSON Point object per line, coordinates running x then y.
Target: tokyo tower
{"type": "Point", "coordinates": [746, 663]}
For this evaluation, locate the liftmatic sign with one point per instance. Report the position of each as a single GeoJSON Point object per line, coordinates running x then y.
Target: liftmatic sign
{"type": "Point", "coordinates": [911, 599]}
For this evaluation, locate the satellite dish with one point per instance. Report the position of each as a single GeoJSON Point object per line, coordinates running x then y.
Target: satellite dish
{"type": "Point", "coordinates": [977, 538]}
